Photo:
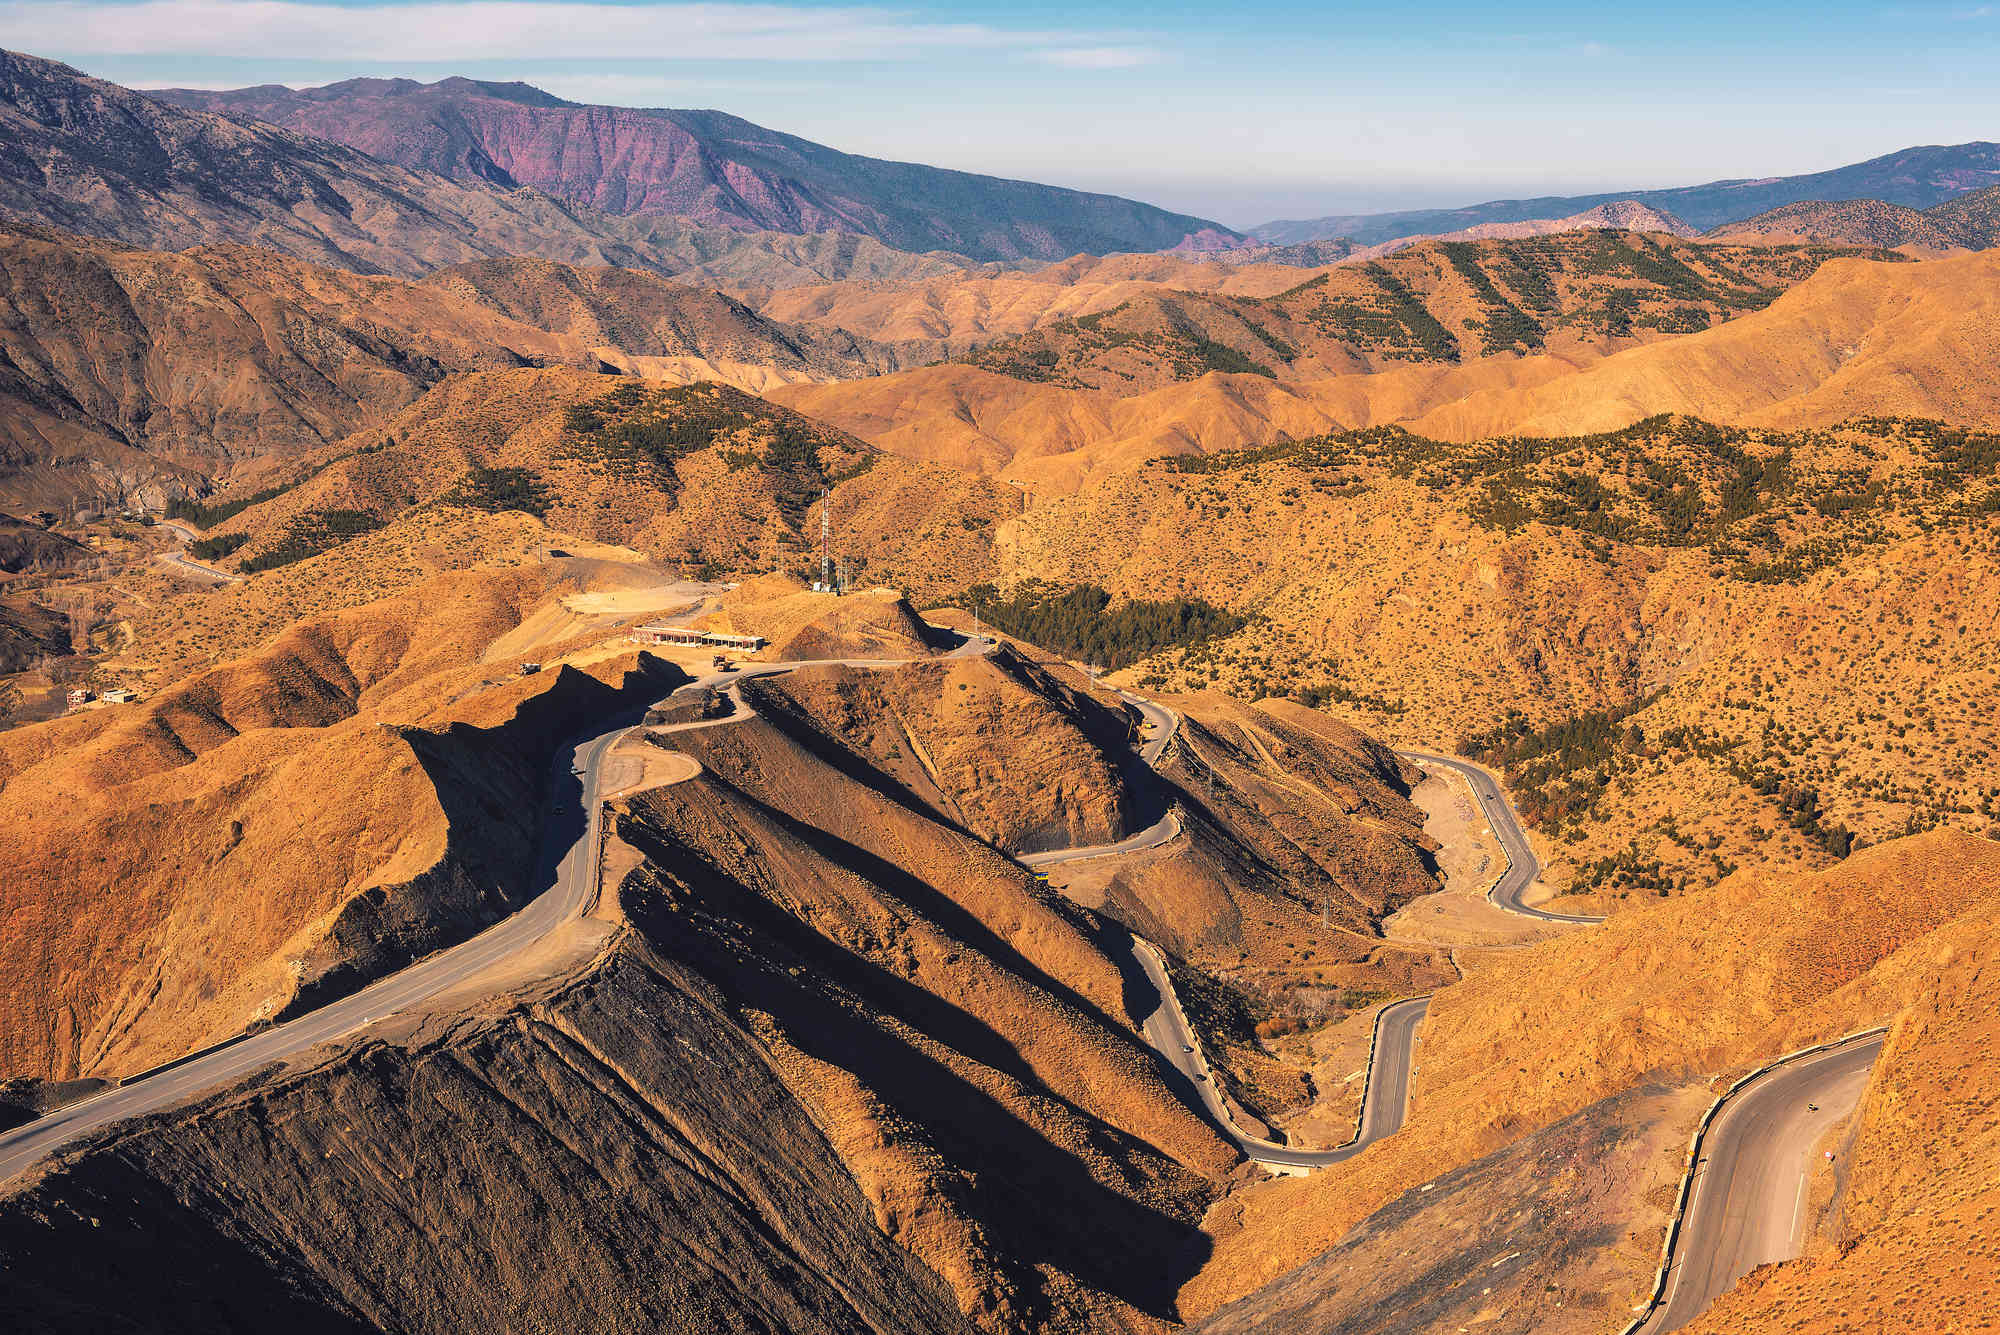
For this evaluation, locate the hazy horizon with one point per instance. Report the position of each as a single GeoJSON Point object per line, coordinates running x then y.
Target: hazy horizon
{"type": "Point", "coordinates": [1284, 111]}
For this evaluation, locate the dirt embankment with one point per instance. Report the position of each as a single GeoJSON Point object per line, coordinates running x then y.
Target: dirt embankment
{"type": "Point", "coordinates": [1527, 1238]}
{"type": "Point", "coordinates": [957, 1029]}
{"type": "Point", "coordinates": [346, 798]}
{"type": "Point", "coordinates": [801, 624]}
{"type": "Point", "coordinates": [996, 745]}
{"type": "Point", "coordinates": [616, 1152]}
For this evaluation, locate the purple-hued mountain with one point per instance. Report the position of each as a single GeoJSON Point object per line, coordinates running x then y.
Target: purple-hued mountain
{"type": "Point", "coordinates": [712, 168]}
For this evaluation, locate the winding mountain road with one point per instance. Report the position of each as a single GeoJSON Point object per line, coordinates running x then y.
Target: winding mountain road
{"type": "Point", "coordinates": [568, 883]}
{"type": "Point", "coordinates": [1166, 1030]}
{"type": "Point", "coordinates": [181, 561]}
{"type": "Point", "coordinates": [1746, 1206]}
{"type": "Point", "coordinates": [1522, 864]}
{"type": "Point", "coordinates": [567, 879]}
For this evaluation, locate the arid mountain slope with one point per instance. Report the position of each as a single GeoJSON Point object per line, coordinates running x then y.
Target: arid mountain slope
{"type": "Point", "coordinates": [883, 1033]}
{"type": "Point", "coordinates": [1965, 222]}
{"type": "Point", "coordinates": [354, 793]}
{"type": "Point", "coordinates": [1867, 222]}
{"type": "Point", "coordinates": [1624, 215]}
{"type": "Point", "coordinates": [704, 165]}
{"type": "Point", "coordinates": [1674, 995]}
{"type": "Point", "coordinates": [232, 361]}
{"type": "Point", "coordinates": [697, 477]}
{"type": "Point", "coordinates": [563, 1159]}
{"type": "Point", "coordinates": [967, 308]}
{"type": "Point", "coordinates": [1698, 647]}
{"type": "Point", "coordinates": [1172, 373]}
{"type": "Point", "coordinates": [1914, 1240]}
{"type": "Point", "coordinates": [1856, 339]}
{"type": "Point", "coordinates": [1974, 219]}
{"type": "Point", "coordinates": [1052, 781]}
{"type": "Point", "coordinates": [643, 324]}
{"type": "Point", "coordinates": [1437, 301]}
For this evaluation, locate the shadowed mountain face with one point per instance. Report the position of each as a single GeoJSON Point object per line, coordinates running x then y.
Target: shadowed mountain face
{"type": "Point", "coordinates": [1916, 177]}
{"type": "Point", "coordinates": [704, 165]}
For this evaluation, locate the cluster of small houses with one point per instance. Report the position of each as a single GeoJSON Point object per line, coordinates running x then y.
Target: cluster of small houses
{"type": "Point", "coordinates": [79, 696]}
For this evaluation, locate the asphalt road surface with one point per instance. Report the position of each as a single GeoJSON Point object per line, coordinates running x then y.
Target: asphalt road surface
{"type": "Point", "coordinates": [1748, 1203]}
{"type": "Point", "coordinates": [181, 560]}
{"type": "Point", "coordinates": [1384, 1103]}
{"type": "Point", "coordinates": [1522, 865]}
{"type": "Point", "coordinates": [1165, 1027]}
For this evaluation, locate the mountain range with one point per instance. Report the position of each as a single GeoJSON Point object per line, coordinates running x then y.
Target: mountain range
{"type": "Point", "coordinates": [706, 166]}
{"type": "Point", "coordinates": [1914, 177]}
{"type": "Point", "coordinates": [861, 969]}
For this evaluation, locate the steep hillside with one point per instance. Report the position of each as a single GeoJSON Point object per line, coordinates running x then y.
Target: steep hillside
{"type": "Point", "coordinates": [1438, 301]}
{"type": "Point", "coordinates": [1679, 997]}
{"type": "Point", "coordinates": [700, 477]}
{"type": "Point", "coordinates": [1693, 647]}
{"type": "Point", "coordinates": [1965, 222]}
{"type": "Point", "coordinates": [351, 795]}
{"type": "Point", "coordinates": [1914, 1234]}
{"type": "Point", "coordinates": [1854, 222]}
{"type": "Point", "coordinates": [968, 308]}
{"type": "Point", "coordinates": [1972, 219]}
{"type": "Point", "coordinates": [1917, 328]}
{"type": "Point", "coordinates": [890, 1049]}
{"type": "Point", "coordinates": [1857, 338]}
{"type": "Point", "coordinates": [1916, 177]}
{"type": "Point", "coordinates": [645, 325]}
{"type": "Point", "coordinates": [234, 362]}
{"type": "Point", "coordinates": [1624, 215]}
{"type": "Point", "coordinates": [995, 745]}
{"type": "Point", "coordinates": [559, 1159]}
{"type": "Point", "coordinates": [703, 165]}
{"type": "Point", "coordinates": [28, 632]}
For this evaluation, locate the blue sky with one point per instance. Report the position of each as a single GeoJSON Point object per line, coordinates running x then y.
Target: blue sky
{"type": "Point", "coordinates": [1238, 112]}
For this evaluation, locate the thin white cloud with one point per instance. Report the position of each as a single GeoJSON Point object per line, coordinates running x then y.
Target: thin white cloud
{"type": "Point", "coordinates": [1099, 57]}
{"type": "Point", "coordinates": [448, 31]}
